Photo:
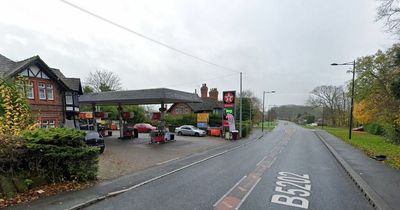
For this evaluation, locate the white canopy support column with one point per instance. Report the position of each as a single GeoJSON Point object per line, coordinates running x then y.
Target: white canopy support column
{"type": "Point", "coordinates": [121, 123]}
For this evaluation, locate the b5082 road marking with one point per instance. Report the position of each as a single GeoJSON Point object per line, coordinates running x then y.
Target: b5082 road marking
{"type": "Point", "coordinates": [292, 196]}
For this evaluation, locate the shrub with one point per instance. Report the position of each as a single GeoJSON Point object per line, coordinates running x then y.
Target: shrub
{"type": "Point", "coordinates": [44, 156]}
{"type": "Point", "coordinates": [374, 128]}
{"type": "Point", "coordinates": [187, 119]}
{"type": "Point", "coordinates": [61, 154]}
{"type": "Point", "coordinates": [215, 120]}
{"type": "Point", "coordinates": [246, 128]}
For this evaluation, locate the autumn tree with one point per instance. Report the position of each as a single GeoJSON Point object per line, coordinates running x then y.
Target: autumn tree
{"type": "Point", "coordinates": [102, 81]}
{"type": "Point", "coordinates": [15, 115]}
{"type": "Point", "coordinates": [377, 83]}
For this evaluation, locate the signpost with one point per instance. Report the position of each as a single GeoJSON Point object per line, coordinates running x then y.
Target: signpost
{"type": "Point", "coordinates": [229, 109]}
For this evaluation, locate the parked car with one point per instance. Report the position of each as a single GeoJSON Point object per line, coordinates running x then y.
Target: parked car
{"type": "Point", "coordinates": [189, 130]}
{"type": "Point", "coordinates": [144, 127]}
{"type": "Point", "coordinates": [93, 138]}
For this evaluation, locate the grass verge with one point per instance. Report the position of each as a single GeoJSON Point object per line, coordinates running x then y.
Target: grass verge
{"type": "Point", "coordinates": [372, 145]}
{"type": "Point", "coordinates": [267, 125]}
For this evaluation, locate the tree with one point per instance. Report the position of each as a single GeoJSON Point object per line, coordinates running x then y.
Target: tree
{"type": "Point", "coordinates": [334, 101]}
{"type": "Point", "coordinates": [389, 13]}
{"type": "Point", "coordinates": [363, 112]}
{"type": "Point", "coordinates": [102, 81]}
{"type": "Point", "coordinates": [251, 106]}
{"type": "Point", "coordinates": [377, 85]}
{"type": "Point", "coordinates": [88, 89]}
{"type": "Point", "coordinates": [15, 115]}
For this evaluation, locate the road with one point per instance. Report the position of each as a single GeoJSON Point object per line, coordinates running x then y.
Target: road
{"type": "Point", "coordinates": [289, 168]}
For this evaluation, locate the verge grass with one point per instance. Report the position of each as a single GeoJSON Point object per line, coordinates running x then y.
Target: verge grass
{"type": "Point", "coordinates": [372, 145]}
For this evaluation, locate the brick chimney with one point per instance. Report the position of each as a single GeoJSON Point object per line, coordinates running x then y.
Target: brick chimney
{"type": "Point", "coordinates": [204, 91]}
{"type": "Point", "coordinates": [214, 93]}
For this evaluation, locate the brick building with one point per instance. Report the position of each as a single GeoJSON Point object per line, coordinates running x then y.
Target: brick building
{"type": "Point", "coordinates": [210, 103]}
{"type": "Point", "coordinates": [53, 97]}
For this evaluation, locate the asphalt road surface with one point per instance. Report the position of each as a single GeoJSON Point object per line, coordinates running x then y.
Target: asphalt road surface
{"type": "Point", "coordinates": [289, 168]}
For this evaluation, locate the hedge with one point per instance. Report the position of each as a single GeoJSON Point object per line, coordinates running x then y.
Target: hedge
{"type": "Point", "coordinates": [46, 156]}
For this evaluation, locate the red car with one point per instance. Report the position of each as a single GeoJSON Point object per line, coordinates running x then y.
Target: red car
{"type": "Point", "coordinates": [144, 127]}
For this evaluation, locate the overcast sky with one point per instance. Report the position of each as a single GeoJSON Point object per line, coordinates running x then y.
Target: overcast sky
{"type": "Point", "coordinates": [282, 45]}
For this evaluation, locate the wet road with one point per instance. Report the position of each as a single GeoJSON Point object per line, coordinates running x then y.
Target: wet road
{"type": "Point", "coordinates": [289, 168]}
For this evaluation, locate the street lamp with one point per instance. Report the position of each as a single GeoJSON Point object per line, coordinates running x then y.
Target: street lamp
{"type": "Point", "coordinates": [263, 115]}
{"type": "Point", "coordinates": [352, 91]}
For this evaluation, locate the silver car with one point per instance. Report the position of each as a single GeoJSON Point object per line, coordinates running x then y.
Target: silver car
{"type": "Point", "coordinates": [189, 130]}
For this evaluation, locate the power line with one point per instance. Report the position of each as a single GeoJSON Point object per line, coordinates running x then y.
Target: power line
{"type": "Point", "coordinates": [180, 84]}
{"type": "Point", "coordinates": [145, 37]}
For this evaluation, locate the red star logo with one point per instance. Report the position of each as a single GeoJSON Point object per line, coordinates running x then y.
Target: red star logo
{"type": "Point", "coordinates": [228, 98]}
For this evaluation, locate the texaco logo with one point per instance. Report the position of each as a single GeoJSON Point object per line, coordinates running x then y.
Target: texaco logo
{"type": "Point", "coordinates": [229, 97]}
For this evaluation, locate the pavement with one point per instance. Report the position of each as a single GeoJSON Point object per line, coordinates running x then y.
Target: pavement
{"type": "Point", "coordinates": [288, 168]}
{"type": "Point", "coordinates": [379, 182]}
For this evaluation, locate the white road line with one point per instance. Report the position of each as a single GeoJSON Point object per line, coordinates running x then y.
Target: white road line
{"type": "Point", "coordinates": [261, 160]}
{"type": "Point", "coordinates": [229, 191]}
{"type": "Point", "coordinates": [167, 161]}
{"type": "Point", "coordinates": [115, 193]}
{"type": "Point", "coordinates": [248, 193]}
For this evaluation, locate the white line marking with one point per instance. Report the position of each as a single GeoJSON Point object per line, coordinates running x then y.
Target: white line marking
{"type": "Point", "coordinates": [261, 160]}
{"type": "Point", "coordinates": [247, 194]}
{"type": "Point", "coordinates": [229, 191]}
{"type": "Point", "coordinates": [167, 161]}
{"type": "Point", "coordinates": [111, 194]}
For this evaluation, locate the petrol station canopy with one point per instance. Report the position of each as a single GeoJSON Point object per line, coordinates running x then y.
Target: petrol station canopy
{"type": "Point", "coordinates": [144, 96]}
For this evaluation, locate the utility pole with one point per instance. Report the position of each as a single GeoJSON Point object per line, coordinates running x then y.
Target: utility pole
{"type": "Point", "coordinates": [352, 100]}
{"type": "Point", "coordinates": [262, 122]}
{"type": "Point", "coordinates": [241, 106]}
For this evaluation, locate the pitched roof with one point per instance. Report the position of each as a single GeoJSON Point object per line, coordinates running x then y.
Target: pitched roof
{"type": "Point", "coordinates": [6, 64]}
{"type": "Point", "coordinates": [73, 83]}
{"type": "Point", "coordinates": [9, 68]}
{"type": "Point", "coordinates": [207, 104]}
{"type": "Point", "coordinates": [145, 96]}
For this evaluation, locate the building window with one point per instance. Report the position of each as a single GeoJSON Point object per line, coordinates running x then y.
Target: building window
{"type": "Point", "coordinates": [29, 90]}
{"type": "Point", "coordinates": [45, 124]}
{"type": "Point", "coordinates": [52, 124]}
{"type": "Point", "coordinates": [42, 91]}
{"type": "Point", "coordinates": [69, 100]}
{"type": "Point", "coordinates": [50, 95]}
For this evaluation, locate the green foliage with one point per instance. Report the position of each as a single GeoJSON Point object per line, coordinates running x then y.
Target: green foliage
{"type": "Point", "coordinates": [215, 120]}
{"type": "Point", "coordinates": [7, 187]}
{"type": "Point", "coordinates": [178, 120]}
{"type": "Point", "coordinates": [50, 155]}
{"type": "Point", "coordinates": [88, 89]}
{"type": "Point", "coordinates": [56, 136]}
{"type": "Point", "coordinates": [377, 85]}
{"type": "Point", "coordinates": [371, 144]}
{"type": "Point", "coordinates": [395, 87]}
{"type": "Point", "coordinates": [246, 128]}
{"type": "Point", "coordinates": [374, 128]}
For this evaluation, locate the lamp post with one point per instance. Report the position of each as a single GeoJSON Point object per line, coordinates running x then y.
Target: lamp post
{"type": "Point", "coordinates": [263, 115]}
{"type": "Point", "coordinates": [352, 92]}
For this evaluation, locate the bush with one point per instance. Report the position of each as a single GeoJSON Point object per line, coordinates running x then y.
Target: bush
{"type": "Point", "coordinates": [187, 119]}
{"type": "Point", "coordinates": [215, 120]}
{"type": "Point", "coordinates": [246, 128]}
{"type": "Point", "coordinates": [374, 128]}
{"type": "Point", "coordinates": [44, 156]}
{"type": "Point", "coordinates": [60, 154]}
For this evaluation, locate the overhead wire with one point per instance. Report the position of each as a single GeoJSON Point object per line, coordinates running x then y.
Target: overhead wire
{"type": "Point", "coordinates": [146, 37]}
{"type": "Point", "coordinates": [181, 84]}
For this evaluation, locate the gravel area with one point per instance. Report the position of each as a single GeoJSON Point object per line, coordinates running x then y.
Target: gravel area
{"type": "Point", "coordinates": [127, 156]}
